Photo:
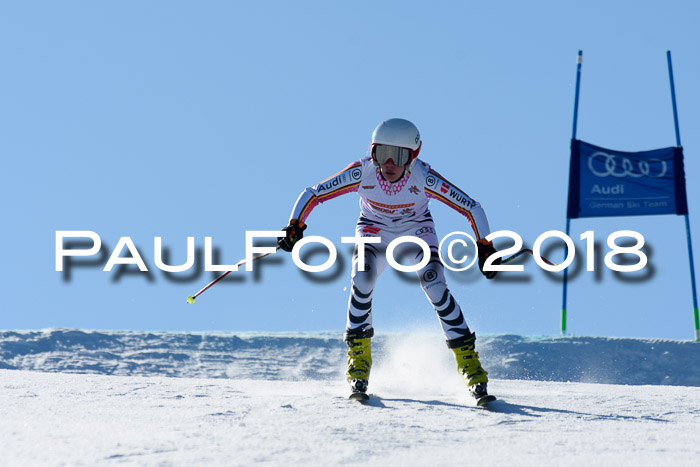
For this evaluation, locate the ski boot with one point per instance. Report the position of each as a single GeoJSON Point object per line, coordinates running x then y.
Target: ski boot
{"type": "Point", "coordinates": [469, 367]}
{"type": "Point", "coordinates": [359, 365]}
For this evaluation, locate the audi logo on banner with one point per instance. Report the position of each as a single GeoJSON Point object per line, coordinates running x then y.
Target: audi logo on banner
{"type": "Point", "coordinates": [619, 166]}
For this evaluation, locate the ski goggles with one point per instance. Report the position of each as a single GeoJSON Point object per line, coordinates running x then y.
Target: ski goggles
{"type": "Point", "coordinates": [400, 156]}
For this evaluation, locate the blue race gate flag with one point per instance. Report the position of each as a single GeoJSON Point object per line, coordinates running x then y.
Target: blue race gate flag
{"type": "Point", "coordinates": [603, 182]}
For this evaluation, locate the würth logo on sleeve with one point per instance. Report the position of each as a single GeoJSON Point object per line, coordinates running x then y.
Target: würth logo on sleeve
{"type": "Point", "coordinates": [445, 187]}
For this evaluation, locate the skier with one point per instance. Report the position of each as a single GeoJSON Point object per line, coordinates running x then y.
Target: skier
{"type": "Point", "coordinates": [395, 188]}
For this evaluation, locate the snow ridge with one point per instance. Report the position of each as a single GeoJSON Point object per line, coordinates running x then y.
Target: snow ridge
{"type": "Point", "coordinates": [321, 356]}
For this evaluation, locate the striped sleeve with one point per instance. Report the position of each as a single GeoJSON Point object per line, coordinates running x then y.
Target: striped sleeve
{"type": "Point", "coordinates": [444, 191]}
{"type": "Point", "coordinates": [345, 181]}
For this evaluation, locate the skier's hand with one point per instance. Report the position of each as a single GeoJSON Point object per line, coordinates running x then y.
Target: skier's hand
{"type": "Point", "coordinates": [295, 232]}
{"type": "Point", "coordinates": [486, 249]}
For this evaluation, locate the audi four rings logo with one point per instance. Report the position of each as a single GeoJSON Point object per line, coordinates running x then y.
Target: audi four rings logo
{"type": "Point", "coordinates": [424, 230]}
{"type": "Point", "coordinates": [619, 166]}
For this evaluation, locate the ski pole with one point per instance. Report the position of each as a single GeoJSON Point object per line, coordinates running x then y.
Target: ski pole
{"type": "Point", "coordinates": [523, 251]}
{"type": "Point", "coordinates": [191, 298]}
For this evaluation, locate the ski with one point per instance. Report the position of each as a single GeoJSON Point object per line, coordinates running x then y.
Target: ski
{"type": "Point", "coordinates": [359, 396]}
{"type": "Point", "coordinates": [484, 400]}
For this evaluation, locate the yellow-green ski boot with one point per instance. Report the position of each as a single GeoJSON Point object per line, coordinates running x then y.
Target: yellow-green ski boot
{"type": "Point", "coordinates": [359, 366]}
{"type": "Point", "coordinates": [470, 368]}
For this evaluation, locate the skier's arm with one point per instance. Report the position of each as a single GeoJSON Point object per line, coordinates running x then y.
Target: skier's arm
{"type": "Point", "coordinates": [449, 194]}
{"type": "Point", "coordinates": [339, 184]}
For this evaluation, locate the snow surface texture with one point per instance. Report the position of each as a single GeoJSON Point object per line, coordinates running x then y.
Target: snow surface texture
{"type": "Point", "coordinates": [103, 398]}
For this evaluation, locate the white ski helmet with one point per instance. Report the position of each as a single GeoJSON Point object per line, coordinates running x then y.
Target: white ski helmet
{"type": "Point", "coordinates": [397, 132]}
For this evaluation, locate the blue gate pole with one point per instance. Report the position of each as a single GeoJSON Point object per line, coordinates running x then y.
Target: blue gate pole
{"type": "Point", "coordinates": [579, 62]}
{"type": "Point", "coordinates": [696, 318]}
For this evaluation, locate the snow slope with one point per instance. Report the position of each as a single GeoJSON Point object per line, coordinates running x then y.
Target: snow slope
{"type": "Point", "coordinates": [102, 398]}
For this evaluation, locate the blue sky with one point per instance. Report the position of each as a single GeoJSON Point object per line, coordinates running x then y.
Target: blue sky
{"type": "Point", "coordinates": [179, 119]}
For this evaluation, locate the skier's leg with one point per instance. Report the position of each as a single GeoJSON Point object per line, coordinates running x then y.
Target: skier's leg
{"type": "Point", "coordinates": [359, 330]}
{"type": "Point", "coordinates": [359, 320]}
{"type": "Point", "coordinates": [432, 280]}
{"type": "Point", "coordinates": [457, 333]}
